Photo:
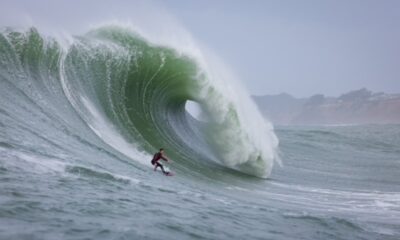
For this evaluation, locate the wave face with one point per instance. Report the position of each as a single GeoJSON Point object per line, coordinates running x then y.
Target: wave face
{"type": "Point", "coordinates": [132, 93]}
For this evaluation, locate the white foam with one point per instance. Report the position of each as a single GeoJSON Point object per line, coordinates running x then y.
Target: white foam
{"type": "Point", "coordinates": [39, 163]}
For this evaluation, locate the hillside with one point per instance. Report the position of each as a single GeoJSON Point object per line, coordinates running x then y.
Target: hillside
{"type": "Point", "coordinates": [355, 107]}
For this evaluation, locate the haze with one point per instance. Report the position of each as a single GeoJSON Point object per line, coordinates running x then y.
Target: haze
{"type": "Point", "coordinates": [298, 47]}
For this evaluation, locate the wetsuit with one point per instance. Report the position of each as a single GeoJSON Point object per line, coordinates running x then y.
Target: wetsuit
{"type": "Point", "coordinates": [155, 162]}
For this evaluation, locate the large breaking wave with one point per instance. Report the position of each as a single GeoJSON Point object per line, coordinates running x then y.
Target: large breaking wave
{"type": "Point", "coordinates": [132, 94]}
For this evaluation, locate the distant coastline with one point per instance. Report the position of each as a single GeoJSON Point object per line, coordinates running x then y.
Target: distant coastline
{"type": "Point", "coordinates": [356, 107]}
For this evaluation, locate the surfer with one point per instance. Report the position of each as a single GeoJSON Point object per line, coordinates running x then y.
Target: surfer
{"type": "Point", "coordinates": [159, 155]}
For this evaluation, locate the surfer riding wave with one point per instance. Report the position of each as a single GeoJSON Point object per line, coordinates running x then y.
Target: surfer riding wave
{"type": "Point", "coordinates": [156, 158]}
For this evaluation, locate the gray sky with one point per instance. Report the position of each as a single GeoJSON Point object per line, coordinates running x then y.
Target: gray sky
{"type": "Point", "coordinates": [299, 47]}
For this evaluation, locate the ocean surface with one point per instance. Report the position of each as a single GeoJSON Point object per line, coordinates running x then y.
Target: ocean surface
{"type": "Point", "coordinates": [81, 118]}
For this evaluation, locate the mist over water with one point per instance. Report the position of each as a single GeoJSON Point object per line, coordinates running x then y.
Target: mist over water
{"type": "Point", "coordinates": [82, 113]}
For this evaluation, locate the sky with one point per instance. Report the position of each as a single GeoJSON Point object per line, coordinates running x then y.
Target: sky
{"type": "Point", "coordinates": [298, 47]}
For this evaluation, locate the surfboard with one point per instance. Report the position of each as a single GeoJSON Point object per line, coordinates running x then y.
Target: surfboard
{"type": "Point", "coordinates": [168, 174]}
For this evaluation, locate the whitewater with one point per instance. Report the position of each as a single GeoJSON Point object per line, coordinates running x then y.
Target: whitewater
{"type": "Point", "coordinates": [80, 118]}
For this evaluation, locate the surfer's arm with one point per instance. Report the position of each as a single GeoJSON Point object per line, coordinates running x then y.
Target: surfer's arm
{"type": "Point", "coordinates": [163, 157]}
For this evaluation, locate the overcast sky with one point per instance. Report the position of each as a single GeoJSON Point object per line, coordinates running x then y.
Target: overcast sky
{"type": "Point", "coordinates": [299, 47]}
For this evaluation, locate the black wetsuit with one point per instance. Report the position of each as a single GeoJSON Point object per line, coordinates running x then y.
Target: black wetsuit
{"type": "Point", "coordinates": [157, 158]}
